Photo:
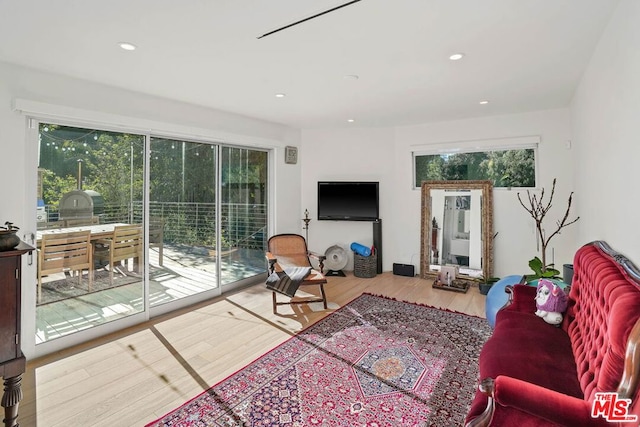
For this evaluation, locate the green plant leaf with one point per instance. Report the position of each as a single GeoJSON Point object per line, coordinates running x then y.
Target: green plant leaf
{"type": "Point", "coordinates": [536, 265]}
{"type": "Point", "coordinates": [550, 273]}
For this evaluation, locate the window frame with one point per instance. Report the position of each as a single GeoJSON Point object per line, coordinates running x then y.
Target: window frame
{"type": "Point", "coordinates": [478, 146]}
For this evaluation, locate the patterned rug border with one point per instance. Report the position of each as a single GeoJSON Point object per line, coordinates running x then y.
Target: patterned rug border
{"type": "Point", "coordinates": [294, 336]}
{"type": "Point", "coordinates": [413, 303]}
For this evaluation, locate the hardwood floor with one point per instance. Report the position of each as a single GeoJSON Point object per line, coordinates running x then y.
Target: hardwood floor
{"type": "Point", "coordinates": [139, 374]}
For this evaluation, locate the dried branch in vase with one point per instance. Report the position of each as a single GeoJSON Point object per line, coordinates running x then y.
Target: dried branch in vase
{"type": "Point", "coordinates": [538, 209]}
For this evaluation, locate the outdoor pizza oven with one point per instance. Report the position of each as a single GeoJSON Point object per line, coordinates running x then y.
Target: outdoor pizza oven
{"type": "Point", "coordinates": [78, 204]}
{"type": "Point", "coordinates": [81, 204]}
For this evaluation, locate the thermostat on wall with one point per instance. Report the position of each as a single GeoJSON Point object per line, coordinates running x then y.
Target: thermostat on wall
{"type": "Point", "coordinates": [291, 155]}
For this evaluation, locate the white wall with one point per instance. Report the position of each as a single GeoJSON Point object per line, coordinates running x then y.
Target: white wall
{"type": "Point", "coordinates": [385, 155]}
{"type": "Point", "coordinates": [348, 155]}
{"type": "Point", "coordinates": [88, 103]}
{"type": "Point", "coordinates": [605, 121]}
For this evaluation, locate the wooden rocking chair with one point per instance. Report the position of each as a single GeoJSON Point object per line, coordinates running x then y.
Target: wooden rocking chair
{"type": "Point", "coordinates": [290, 250]}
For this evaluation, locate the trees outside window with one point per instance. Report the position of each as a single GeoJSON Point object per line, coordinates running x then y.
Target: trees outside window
{"type": "Point", "coordinates": [505, 168]}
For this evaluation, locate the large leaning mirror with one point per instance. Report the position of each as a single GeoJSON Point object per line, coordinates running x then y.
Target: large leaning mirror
{"type": "Point", "coordinates": [457, 228]}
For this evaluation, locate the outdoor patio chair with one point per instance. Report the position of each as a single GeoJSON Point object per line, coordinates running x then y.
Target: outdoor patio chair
{"type": "Point", "coordinates": [65, 252]}
{"type": "Point", "coordinates": [290, 250]}
{"type": "Point", "coordinates": [125, 243]}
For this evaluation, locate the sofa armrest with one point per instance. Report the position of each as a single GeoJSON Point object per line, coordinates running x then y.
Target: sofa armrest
{"type": "Point", "coordinates": [543, 403]}
{"type": "Point", "coordinates": [521, 298]}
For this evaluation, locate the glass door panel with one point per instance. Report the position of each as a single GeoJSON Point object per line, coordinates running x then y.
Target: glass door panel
{"type": "Point", "coordinates": [182, 220]}
{"type": "Point", "coordinates": [90, 189]}
{"type": "Point", "coordinates": [243, 213]}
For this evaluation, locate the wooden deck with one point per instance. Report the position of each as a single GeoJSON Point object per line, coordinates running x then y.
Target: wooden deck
{"type": "Point", "coordinates": [137, 375]}
{"type": "Point", "coordinates": [182, 274]}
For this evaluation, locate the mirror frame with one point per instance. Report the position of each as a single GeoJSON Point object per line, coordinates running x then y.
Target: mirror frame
{"type": "Point", "coordinates": [486, 218]}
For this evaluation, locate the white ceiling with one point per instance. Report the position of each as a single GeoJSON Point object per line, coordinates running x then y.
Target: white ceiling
{"type": "Point", "coordinates": [521, 55]}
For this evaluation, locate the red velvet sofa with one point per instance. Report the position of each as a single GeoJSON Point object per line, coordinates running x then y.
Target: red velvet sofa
{"type": "Point", "coordinates": [536, 374]}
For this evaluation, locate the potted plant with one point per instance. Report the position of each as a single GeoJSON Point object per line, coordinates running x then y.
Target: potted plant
{"type": "Point", "coordinates": [8, 236]}
{"type": "Point", "coordinates": [538, 209]}
{"type": "Point", "coordinates": [486, 283]}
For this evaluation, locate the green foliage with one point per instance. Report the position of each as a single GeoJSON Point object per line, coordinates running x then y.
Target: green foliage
{"type": "Point", "coordinates": [115, 169]}
{"type": "Point", "coordinates": [244, 174]}
{"type": "Point", "coordinates": [512, 168]}
{"type": "Point", "coordinates": [507, 168]}
{"type": "Point", "coordinates": [182, 171]}
{"type": "Point", "coordinates": [542, 271]}
{"type": "Point", "coordinates": [111, 163]}
{"type": "Point", "coordinates": [429, 168]}
{"type": "Point", "coordinates": [55, 186]}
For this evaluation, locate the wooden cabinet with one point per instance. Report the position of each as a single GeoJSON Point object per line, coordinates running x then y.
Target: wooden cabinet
{"type": "Point", "coordinates": [12, 361]}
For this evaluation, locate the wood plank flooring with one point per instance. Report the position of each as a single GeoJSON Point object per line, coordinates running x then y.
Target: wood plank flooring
{"type": "Point", "coordinates": [137, 375]}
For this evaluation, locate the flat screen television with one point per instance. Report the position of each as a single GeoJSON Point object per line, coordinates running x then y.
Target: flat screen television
{"type": "Point", "coordinates": [348, 201]}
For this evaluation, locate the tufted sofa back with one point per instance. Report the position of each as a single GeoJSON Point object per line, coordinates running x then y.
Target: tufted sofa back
{"type": "Point", "coordinates": [604, 306]}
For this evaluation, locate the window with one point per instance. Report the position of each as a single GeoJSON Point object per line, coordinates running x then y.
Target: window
{"type": "Point", "coordinates": [504, 168]}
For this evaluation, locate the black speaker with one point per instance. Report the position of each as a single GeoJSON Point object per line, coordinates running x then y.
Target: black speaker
{"type": "Point", "coordinates": [403, 270]}
{"type": "Point", "coordinates": [377, 243]}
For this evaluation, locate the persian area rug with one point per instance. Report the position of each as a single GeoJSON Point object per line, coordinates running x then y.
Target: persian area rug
{"type": "Point", "coordinates": [374, 362]}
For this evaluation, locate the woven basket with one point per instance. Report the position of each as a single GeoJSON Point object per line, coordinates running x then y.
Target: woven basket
{"type": "Point", "coordinates": [365, 266]}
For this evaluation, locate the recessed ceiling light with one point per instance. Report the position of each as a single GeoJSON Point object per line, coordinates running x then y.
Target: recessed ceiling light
{"type": "Point", "coordinates": [456, 56]}
{"type": "Point", "coordinates": [127, 46]}
{"type": "Point", "coordinates": [350, 120]}
{"type": "Point", "coordinates": [280, 95]}
{"type": "Point", "coordinates": [484, 102]}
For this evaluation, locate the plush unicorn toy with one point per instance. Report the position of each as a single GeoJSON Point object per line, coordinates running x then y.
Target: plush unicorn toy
{"type": "Point", "coordinates": [551, 301]}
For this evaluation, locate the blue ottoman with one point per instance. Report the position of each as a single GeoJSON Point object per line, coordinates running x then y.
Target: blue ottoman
{"type": "Point", "coordinates": [497, 297]}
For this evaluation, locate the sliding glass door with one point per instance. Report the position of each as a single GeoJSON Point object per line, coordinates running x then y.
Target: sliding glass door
{"type": "Point", "coordinates": [210, 202]}
{"type": "Point", "coordinates": [243, 217]}
{"type": "Point", "coordinates": [182, 207]}
{"type": "Point", "coordinates": [200, 231]}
